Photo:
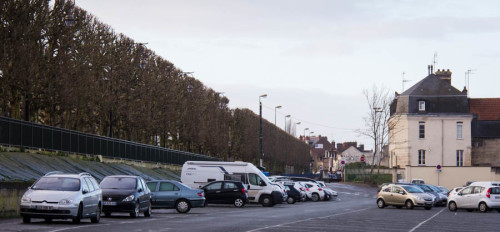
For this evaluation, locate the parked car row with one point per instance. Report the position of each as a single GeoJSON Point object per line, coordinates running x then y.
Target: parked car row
{"type": "Point", "coordinates": [59, 195]}
{"type": "Point", "coordinates": [482, 196]}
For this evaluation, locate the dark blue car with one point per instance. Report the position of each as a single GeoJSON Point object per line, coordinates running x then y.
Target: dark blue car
{"type": "Point", "coordinates": [169, 194]}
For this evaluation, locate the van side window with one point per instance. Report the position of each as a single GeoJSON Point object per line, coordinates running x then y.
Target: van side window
{"type": "Point", "coordinates": [243, 177]}
{"type": "Point", "coordinates": [254, 179]}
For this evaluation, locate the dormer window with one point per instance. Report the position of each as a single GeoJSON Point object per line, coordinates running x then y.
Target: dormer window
{"type": "Point", "coordinates": [421, 105]}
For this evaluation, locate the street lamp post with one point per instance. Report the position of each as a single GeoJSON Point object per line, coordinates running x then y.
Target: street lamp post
{"type": "Point", "coordinates": [260, 129]}
{"type": "Point", "coordinates": [287, 116]}
{"type": "Point", "coordinates": [295, 155]}
{"type": "Point", "coordinates": [275, 137]}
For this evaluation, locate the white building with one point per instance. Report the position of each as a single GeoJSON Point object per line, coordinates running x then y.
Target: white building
{"type": "Point", "coordinates": [432, 124]}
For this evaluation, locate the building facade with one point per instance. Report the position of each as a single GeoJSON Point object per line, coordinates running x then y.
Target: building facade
{"type": "Point", "coordinates": [431, 124]}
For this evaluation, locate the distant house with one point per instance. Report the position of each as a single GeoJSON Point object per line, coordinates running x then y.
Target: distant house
{"type": "Point", "coordinates": [432, 124]}
{"type": "Point", "coordinates": [323, 154]}
{"type": "Point", "coordinates": [354, 154]}
{"type": "Point", "coordinates": [485, 131]}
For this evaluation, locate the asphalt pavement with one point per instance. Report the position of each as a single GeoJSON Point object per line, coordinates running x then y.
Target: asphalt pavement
{"type": "Point", "coordinates": [354, 210]}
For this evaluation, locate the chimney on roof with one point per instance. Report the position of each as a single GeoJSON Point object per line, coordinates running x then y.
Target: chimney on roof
{"type": "Point", "coordinates": [444, 75]}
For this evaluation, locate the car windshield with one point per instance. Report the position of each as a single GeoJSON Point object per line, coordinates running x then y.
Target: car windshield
{"type": "Point", "coordinates": [435, 189]}
{"type": "Point", "coordinates": [119, 183]}
{"type": "Point", "coordinates": [425, 188]}
{"type": "Point", "coordinates": [57, 184]}
{"type": "Point", "coordinates": [412, 189]}
{"type": "Point", "coordinates": [444, 189]}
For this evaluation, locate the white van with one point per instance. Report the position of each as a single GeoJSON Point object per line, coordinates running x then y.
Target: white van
{"type": "Point", "coordinates": [260, 190]}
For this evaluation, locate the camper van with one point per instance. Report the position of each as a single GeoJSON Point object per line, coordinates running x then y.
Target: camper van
{"type": "Point", "coordinates": [196, 174]}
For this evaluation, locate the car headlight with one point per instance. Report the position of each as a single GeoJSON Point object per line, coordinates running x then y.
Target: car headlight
{"type": "Point", "coordinates": [65, 202]}
{"type": "Point", "coordinates": [129, 198]}
{"type": "Point", "coordinates": [420, 198]}
{"type": "Point", "coordinates": [25, 200]}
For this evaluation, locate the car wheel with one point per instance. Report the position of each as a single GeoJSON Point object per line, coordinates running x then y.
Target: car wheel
{"type": "Point", "coordinates": [238, 202]}
{"type": "Point", "coordinates": [147, 213]}
{"type": "Point", "coordinates": [97, 217]}
{"type": "Point", "coordinates": [315, 197]}
{"type": "Point", "coordinates": [409, 204]}
{"type": "Point", "coordinates": [107, 214]}
{"type": "Point", "coordinates": [78, 217]}
{"type": "Point", "coordinates": [380, 203]}
{"type": "Point", "coordinates": [266, 201]}
{"type": "Point", "coordinates": [428, 208]}
{"type": "Point", "coordinates": [26, 219]}
{"type": "Point", "coordinates": [136, 211]}
{"type": "Point", "coordinates": [290, 200]}
{"type": "Point", "coordinates": [182, 206]}
{"type": "Point", "coordinates": [452, 206]}
{"type": "Point", "coordinates": [483, 208]}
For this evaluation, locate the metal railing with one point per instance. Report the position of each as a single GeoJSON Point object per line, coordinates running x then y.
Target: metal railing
{"type": "Point", "coordinates": [31, 135]}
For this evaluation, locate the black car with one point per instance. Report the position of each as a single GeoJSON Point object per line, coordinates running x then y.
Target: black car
{"type": "Point", "coordinates": [226, 192]}
{"type": "Point", "coordinates": [128, 194]}
{"type": "Point", "coordinates": [292, 192]}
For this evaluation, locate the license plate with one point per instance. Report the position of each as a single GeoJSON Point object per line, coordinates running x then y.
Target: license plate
{"type": "Point", "coordinates": [109, 203]}
{"type": "Point", "coordinates": [43, 207]}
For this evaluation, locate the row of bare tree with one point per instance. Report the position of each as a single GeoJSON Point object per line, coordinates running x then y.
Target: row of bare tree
{"type": "Point", "coordinates": [88, 78]}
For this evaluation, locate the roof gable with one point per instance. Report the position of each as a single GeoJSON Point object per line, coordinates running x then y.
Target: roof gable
{"type": "Point", "coordinates": [432, 86]}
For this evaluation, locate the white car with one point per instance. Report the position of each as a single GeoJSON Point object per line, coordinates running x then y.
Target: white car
{"type": "Point", "coordinates": [328, 191]}
{"type": "Point", "coordinates": [478, 195]}
{"type": "Point", "coordinates": [63, 196]}
{"type": "Point", "coordinates": [314, 191]}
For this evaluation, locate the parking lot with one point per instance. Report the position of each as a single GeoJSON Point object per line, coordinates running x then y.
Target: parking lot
{"type": "Point", "coordinates": [354, 210]}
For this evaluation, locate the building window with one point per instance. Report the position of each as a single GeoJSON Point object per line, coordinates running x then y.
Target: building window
{"type": "Point", "coordinates": [421, 130]}
{"type": "Point", "coordinates": [421, 157]}
{"type": "Point", "coordinates": [459, 130]}
{"type": "Point", "coordinates": [421, 105]}
{"type": "Point", "coordinates": [460, 158]}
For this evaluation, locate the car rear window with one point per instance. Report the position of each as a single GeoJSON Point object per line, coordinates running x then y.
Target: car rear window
{"type": "Point", "coordinates": [230, 185]}
{"type": "Point", "coordinates": [119, 183]}
{"type": "Point", "coordinates": [495, 190]}
{"type": "Point", "coordinates": [57, 184]}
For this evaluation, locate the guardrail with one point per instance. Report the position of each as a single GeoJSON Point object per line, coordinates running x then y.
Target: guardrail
{"type": "Point", "coordinates": [31, 135]}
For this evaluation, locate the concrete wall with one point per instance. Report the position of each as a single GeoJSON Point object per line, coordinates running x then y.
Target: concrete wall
{"type": "Point", "coordinates": [486, 152]}
{"type": "Point", "coordinates": [451, 177]}
{"type": "Point", "coordinates": [10, 197]}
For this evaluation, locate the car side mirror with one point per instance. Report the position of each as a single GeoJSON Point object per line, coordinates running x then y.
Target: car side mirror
{"type": "Point", "coordinates": [460, 194]}
{"type": "Point", "coordinates": [85, 191]}
{"type": "Point", "coordinates": [403, 193]}
{"type": "Point", "coordinates": [248, 187]}
{"type": "Point", "coordinates": [140, 190]}
{"type": "Point", "coordinates": [262, 183]}
{"type": "Point", "coordinates": [200, 187]}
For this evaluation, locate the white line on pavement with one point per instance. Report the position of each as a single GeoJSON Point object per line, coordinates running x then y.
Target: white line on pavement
{"type": "Point", "coordinates": [308, 219]}
{"type": "Point", "coordinates": [428, 219]}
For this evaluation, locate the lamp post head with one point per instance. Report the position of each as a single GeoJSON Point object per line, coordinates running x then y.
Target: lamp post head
{"type": "Point", "coordinates": [277, 107]}
{"type": "Point", "coordinates": [298, 123]}
{"type": "Point", "coordinates": [306, 129]}
{"type": "Point", "coordinates": [263, 96]}
{"type": "Point", "coordinates": [287, 116]}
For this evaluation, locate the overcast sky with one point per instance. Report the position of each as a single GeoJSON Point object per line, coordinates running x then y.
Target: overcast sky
{"type": "Point", "coordinates": [315, 57]}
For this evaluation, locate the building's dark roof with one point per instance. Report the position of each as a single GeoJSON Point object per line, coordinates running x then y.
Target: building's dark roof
{"type": "Point", "coordinates": [485, 129]}
{"type": "Point", "coordinates": [432, 85]}
{"type": "Point", "coordinates": [485, 109]}
{"type": "Point", "coordinates": [439, 97]}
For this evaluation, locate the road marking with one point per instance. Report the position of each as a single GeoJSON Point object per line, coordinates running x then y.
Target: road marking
{"type": "Point", "coordinates": [77, 227]}
{"type": "Point", "coordinates": [308, 219]}
{"type": "Point", "coordinates": [421, 223]}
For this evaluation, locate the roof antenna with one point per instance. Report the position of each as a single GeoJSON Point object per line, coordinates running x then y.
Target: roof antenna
{"type": "Point", "coordinates": [434, 61]}
{"type": "Point", "coordinates": [467, 77]}
{"type": "Point", "coordinates": [404, 80]}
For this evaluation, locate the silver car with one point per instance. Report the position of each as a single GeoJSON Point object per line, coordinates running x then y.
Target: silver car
{"type": "Point", "coordinates": [63, 196]}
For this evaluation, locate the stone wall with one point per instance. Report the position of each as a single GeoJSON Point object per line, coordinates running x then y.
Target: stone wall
{"type": "Point", "coordinates": [10, 197]}
{"type": "Point", "coordinates": [486, 152]}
